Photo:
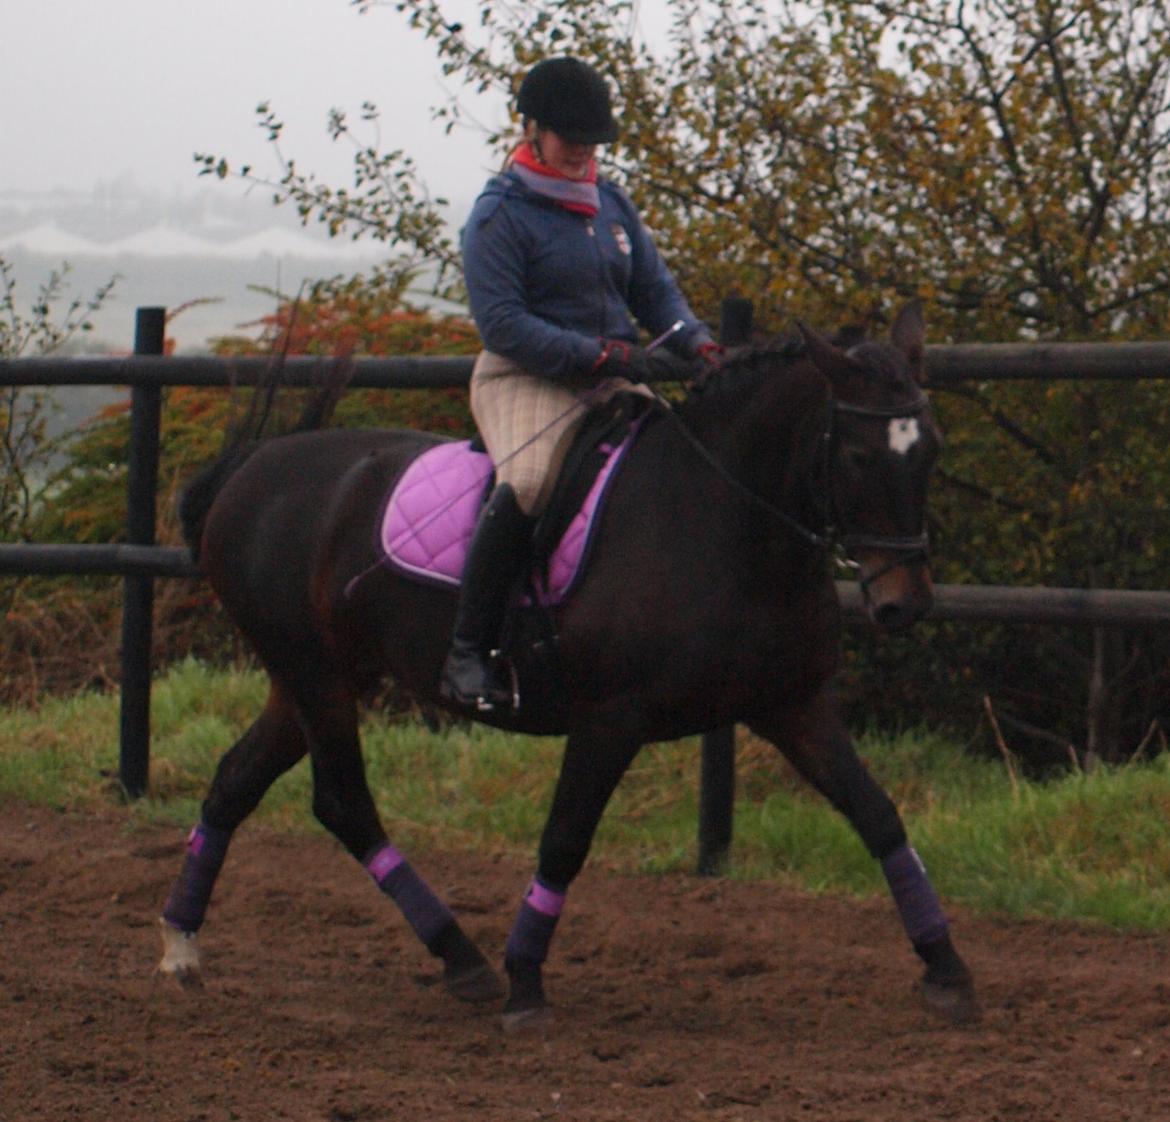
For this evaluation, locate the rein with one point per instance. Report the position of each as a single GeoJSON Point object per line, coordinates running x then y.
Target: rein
{"type": "Point", "coordinates": [810, 537]}
{"type": "Point", "coordinates": [907, 547]}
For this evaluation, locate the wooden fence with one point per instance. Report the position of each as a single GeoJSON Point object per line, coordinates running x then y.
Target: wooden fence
{"type": "Point", "coordinates": [139, 561]}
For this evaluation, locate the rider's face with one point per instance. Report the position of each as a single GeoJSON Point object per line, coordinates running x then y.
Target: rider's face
{"type": "Point", "coordinates": [567, 157]}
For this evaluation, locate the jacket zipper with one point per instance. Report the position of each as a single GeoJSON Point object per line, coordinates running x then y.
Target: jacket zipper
{"type": "Point", "coordinates": [600, 278]}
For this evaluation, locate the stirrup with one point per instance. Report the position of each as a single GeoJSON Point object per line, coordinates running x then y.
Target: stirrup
{"type": "Point", "coordinates": [502, 668]}
{"type": "Point", "coordinates": [486, 695]}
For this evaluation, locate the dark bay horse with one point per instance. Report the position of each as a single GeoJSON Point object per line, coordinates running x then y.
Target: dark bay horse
{"type": "Point", "coordinates": [708, 601]}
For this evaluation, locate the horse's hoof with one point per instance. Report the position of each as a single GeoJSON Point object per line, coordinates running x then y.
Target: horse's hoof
{"type": "Point", "coordinates": [955, 1003]}
{"type": "Point", "coordinates": [527, 1009]}
{"type": "Point", "coordinates": [530, 1019]}
{"type": "Point", "coordinates": [181, 960]}
{"type": "Point", "coordinates": [478, 984]}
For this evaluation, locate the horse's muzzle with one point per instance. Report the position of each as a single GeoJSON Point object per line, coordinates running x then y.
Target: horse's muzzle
{"type": "Point", "coordinates": [897, 592]}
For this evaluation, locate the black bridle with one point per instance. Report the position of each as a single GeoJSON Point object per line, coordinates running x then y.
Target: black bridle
{"type": "Point", "coordinates": [906, 548]}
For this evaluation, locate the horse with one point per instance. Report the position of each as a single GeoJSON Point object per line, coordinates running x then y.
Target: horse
{"type": "Point", "coordinates": [708, 600]}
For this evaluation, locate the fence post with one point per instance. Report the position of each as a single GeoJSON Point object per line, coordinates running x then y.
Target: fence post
{"type": "Point", "coordinates": [138, 591]}
{"type": "Point", "coordinates": [717, 767]}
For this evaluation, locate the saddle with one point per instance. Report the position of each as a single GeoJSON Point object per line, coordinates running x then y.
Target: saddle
{"type": "Point", "coordinates": [430, 515]}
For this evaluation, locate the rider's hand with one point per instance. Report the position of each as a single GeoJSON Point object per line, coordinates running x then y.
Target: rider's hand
{"type": "Point", "coordinates": [712, 354]}
{"type": "Point", "coordinates": [708, 358]}
{"type": "Point", "coordinates": [619, 359]}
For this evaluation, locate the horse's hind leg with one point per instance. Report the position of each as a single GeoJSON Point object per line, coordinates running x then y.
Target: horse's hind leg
{"type": "Point", "coordinates": [343, 804]}
{"type": "Point", "coordinates": [269, 748]}
{"type": "Point", "coordinates": [815, 741]}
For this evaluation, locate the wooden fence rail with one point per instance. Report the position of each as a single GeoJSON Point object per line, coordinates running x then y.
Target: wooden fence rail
{"type": "Point", "coordinates": [139, 560]}
{"type": "Point", "coordinates": [1093, 607]}
{"type": "Point", "coordinates": [945, 364]}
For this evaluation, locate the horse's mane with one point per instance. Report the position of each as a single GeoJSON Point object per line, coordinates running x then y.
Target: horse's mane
{"type": "Point", "coordinates": [741, 369]}
{"type": "Point", "coordinates": [744, 366]}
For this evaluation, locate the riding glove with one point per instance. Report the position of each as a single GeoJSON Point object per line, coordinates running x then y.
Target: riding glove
{"type": "Point", "coordinates": [619, 359]}
{"type": "Point", "coordinates": [711, 353]}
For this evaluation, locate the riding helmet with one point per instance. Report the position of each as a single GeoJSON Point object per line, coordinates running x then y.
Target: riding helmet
{"type": "Point", "coordinates": [569, 97]}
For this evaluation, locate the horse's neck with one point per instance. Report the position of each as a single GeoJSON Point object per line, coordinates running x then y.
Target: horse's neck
{"type": "Point", "coordinates": [765, 428]}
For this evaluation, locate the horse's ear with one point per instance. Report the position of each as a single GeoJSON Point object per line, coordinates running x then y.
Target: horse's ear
{"type": "Point", "coordinates": [833, 363]}
{"type": "Point", "coordinates": [908, 334]}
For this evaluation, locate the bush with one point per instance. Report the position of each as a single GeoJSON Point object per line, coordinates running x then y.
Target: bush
{"type": "Point", "coordinates": [61, 638]}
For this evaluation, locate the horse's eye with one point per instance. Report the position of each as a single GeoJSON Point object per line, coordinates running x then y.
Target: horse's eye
{"type": "Point", "coordinates": [859, 459]}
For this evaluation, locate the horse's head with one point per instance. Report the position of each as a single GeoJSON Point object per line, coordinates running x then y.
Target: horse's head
{"type": "Point", "coordinates": [882, 447]}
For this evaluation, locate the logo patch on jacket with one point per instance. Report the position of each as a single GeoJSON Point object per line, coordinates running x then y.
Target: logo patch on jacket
{"type": "Point", "coordinates": [621, 237]}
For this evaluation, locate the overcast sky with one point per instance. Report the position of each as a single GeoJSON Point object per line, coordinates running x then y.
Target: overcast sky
{"type": "Point", "coordinates": [124, 92]}
{"type": "Point", "coordinates": [100, 91]}
{"type": "Point", "coordinates": [94, 92]}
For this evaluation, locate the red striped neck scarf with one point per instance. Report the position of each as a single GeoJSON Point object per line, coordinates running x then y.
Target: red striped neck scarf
{"type": "Point", "coordinates": [577, 195]}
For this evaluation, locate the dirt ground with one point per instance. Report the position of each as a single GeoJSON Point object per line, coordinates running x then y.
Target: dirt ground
{"type": "Point", "coordinates": [677, 998]}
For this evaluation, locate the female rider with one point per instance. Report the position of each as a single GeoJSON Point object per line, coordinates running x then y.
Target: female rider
{"type": "Point", "coordinates": [558, 268]}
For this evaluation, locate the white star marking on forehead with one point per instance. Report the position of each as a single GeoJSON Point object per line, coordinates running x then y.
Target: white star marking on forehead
{"type": "Point", "coordinates": [903, 433]}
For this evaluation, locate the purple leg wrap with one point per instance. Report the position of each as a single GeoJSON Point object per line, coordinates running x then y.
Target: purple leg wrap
{"type": "Point", "coordinates": [535, 923]}
{"type": "Point", "coordinates": [921, 913]}
{"type": "Point", "coordinates": [186, 906]}
{"type": "Point", "coordinates": [422, 909]}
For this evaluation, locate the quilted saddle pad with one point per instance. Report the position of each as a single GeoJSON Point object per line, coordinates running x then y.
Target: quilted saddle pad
{"type": "Point", "coordinates": [431, 514]}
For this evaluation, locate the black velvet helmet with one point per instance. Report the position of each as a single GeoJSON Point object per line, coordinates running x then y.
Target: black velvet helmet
{"type": "Point", "coordinates": [569, 97]}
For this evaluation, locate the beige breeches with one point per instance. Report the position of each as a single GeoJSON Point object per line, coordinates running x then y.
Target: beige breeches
{"type": "Point", "coordinates": [528, 423]}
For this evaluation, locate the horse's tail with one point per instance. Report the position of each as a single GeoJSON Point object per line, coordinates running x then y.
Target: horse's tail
{"type": "Point", "coordinates": [249, 433]}
{"type": "Point", "coordinates": [200, 490]}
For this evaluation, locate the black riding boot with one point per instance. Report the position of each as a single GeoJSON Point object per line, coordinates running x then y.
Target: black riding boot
{"type": "Point", "coordinates": [499, 547]}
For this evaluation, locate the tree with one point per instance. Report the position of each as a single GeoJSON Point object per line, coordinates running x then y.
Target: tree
{"type": "Point", "coordinates": [1006, 161]}
{"type": "Point", "coordinates": [27, 451]}
{"type": "Point", "coordinates": [37, 626]}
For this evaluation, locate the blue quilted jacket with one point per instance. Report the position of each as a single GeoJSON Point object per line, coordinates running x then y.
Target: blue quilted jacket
{"type": "Point", "coordinates": [545, 283]}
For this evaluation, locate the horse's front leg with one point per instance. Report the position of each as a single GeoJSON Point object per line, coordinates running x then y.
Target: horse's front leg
{"type": "Point", "coordinates": [595, 759]}
{"type": "Point", "coordinates": [815, 741]}
{"type": "Point", "coordinates": [268, 749]}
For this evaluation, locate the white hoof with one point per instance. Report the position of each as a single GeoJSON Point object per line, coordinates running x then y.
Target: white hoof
{"type": "Point", "coordinates": [180, 959]}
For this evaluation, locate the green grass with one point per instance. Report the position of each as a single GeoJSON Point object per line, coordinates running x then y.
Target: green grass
{"type": "Point", "coordinates": [1092, 848]}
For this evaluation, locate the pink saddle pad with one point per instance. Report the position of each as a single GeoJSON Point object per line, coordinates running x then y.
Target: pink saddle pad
{"type": "Point", "coordinates": [429, 519]}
